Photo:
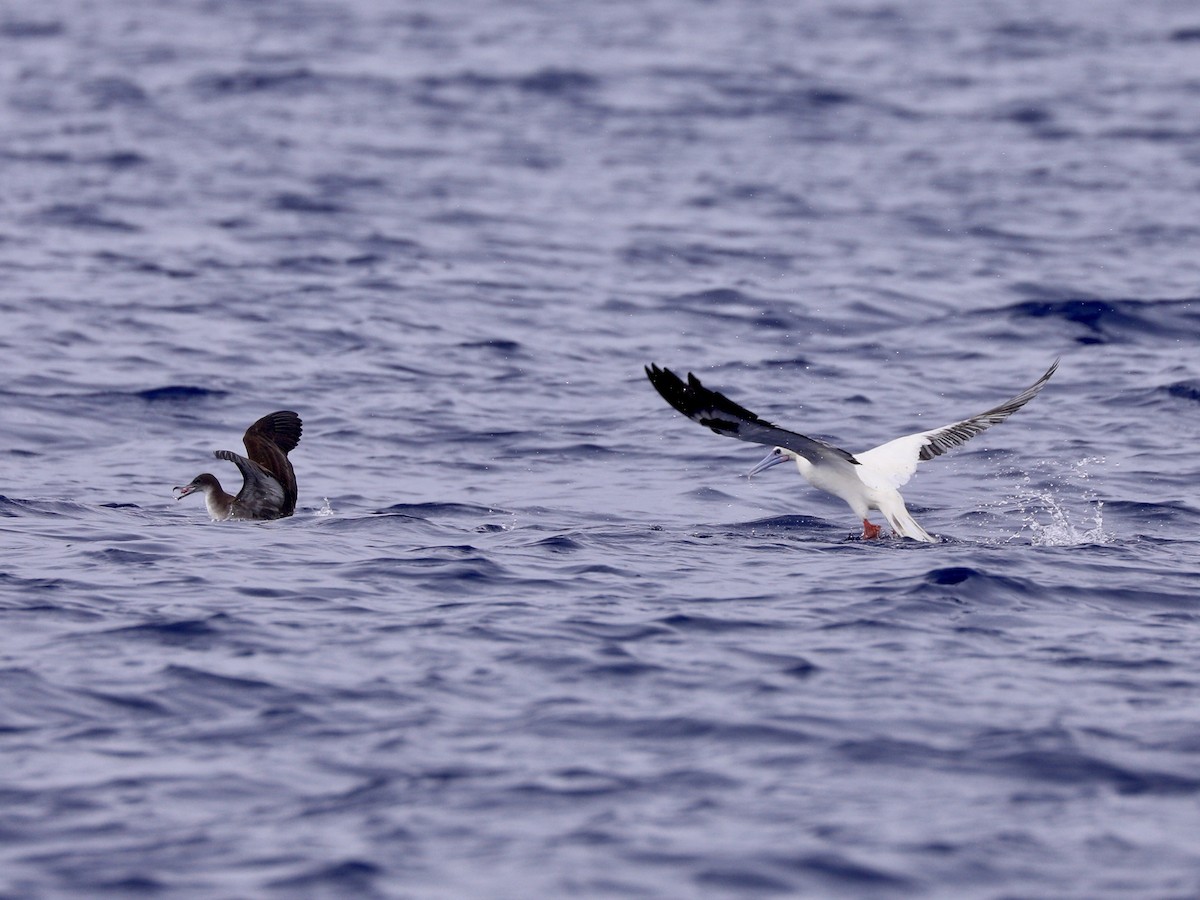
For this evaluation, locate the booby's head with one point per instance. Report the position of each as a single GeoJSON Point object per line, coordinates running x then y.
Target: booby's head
{"type": "Point", "coordinates": [203, 483]}
{"type": "Point", "coordinates": [775, 457]}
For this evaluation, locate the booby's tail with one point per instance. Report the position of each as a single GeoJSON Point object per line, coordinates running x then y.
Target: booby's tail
{"type": "Point", "coordinates": [903, 523]}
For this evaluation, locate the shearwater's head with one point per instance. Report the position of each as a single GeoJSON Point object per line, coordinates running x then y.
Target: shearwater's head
{"type": "Point", "coordinates": [204, 483]}
{"type": "Point", "coordinates": [218, 503]}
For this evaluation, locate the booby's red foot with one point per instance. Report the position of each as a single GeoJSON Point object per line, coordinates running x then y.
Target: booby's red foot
{"type": "Point", "coordinates": [871, 532]}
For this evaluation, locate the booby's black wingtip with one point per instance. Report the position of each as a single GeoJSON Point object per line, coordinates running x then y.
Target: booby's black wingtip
{"type": "Point", "coordinates": [655, 373]}
{"type": "Point", "coordinates": [664, 380]}
{"type": "Point", "coordinates": [693, 399]}
{"type": "Point", "coordinates": [668, 385]}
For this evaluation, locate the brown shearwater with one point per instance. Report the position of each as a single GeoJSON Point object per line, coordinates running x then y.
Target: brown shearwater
{"type": "Point", "coordinates": [268, 482]}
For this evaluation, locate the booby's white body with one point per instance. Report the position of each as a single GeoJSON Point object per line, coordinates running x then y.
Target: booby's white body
{"type": "Point", "coordinates": [864, 488]}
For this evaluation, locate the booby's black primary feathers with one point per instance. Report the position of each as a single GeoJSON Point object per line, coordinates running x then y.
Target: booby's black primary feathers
{"type": "Point", "coordinates": [720, 414]}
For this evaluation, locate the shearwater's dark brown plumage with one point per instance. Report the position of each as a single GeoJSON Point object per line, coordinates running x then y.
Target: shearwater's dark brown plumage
{"type": "Point", "coordinates": [268, 482]}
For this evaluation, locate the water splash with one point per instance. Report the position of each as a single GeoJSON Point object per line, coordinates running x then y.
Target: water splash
{"type": "Point", "coordinates": [325, 511]}
{"type": "Point", "coordinates": [1064, 513]}
{"type": "Point", "coordinates": [1060, 531]}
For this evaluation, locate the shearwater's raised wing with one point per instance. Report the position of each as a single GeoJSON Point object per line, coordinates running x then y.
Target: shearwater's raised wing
{"type": "Point", "coordinates": [720, 414]}
{"type": "Point", "coordinates": [268, 442]}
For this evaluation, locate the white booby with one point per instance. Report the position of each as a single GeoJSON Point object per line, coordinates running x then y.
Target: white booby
{"type": "Point", "coordinates": [268, 482]}
{"type": "Point", "coordinates": [866, 481]}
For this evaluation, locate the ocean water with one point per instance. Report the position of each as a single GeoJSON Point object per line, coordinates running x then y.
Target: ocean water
{"type": "Point", "coordinates": [530, 633]}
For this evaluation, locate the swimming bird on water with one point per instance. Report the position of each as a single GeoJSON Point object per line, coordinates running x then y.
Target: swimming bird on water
{"type": "Point", "coordinates": [268, 482]}
{"type": "Point", "coordinates": [866, 481]}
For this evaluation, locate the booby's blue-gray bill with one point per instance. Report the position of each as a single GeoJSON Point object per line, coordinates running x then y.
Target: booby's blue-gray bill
{"type": "Point", "coordinates": [866, 481]}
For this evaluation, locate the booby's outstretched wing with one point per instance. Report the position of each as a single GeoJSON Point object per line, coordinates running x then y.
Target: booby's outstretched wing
{"type": "Point", "coordinates": [268, 442]}
{"type": "Point", "coordinates": [717, 412]}
{"type": "Point", "coordinates": [896, 461]}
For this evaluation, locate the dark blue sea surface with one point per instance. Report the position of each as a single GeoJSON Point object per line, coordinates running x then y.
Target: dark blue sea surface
{"type": "Point", "coordinates": [530, 632]}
